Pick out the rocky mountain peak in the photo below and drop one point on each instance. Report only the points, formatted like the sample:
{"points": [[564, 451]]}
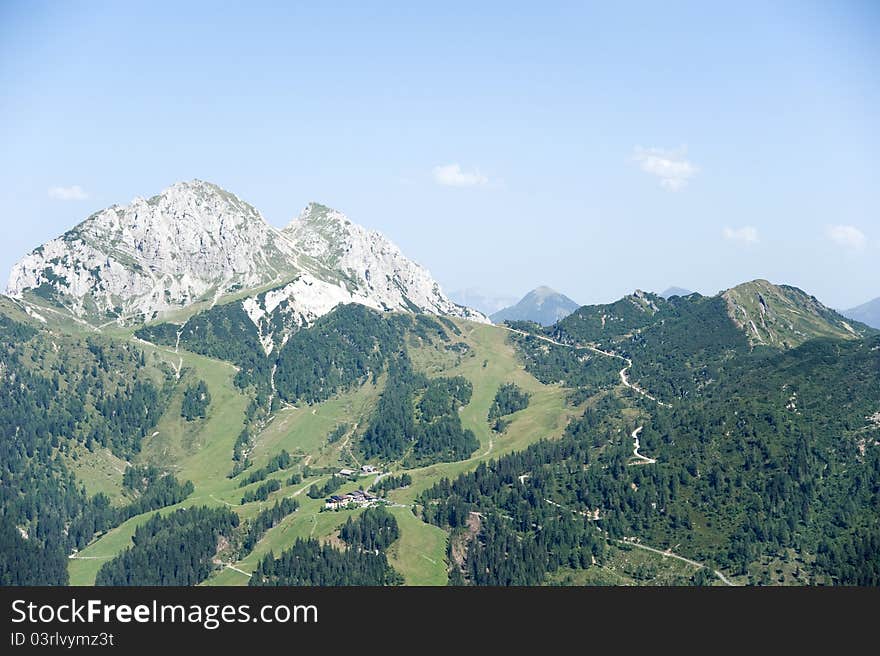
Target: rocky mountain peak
{"points": [[195, 243], [543, 291], [370, 262], [318, 214], [191, 242]]}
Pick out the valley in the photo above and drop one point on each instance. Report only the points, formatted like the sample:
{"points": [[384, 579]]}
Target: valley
{"points": [[204, 457]]}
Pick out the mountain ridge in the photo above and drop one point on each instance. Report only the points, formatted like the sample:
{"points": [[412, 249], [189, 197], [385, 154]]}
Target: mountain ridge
{"points": [[784, 315], [768, 315], [867, 313], [195, 242], [360, 384]]}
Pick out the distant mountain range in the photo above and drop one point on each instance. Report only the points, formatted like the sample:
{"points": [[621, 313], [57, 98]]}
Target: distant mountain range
{"points": [[676, 291], [868, 313], [543, 305], [486, 302]]}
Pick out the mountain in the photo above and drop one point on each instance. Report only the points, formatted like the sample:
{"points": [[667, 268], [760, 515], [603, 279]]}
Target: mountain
{"points": [[676, 291], [346, 264], [771, 449], [486, 303], [192, 242], [272, 363], [784, 316], [373, 269], [197, 243], [542, 305], [598, 323], [868, 313], [686, 344], [766, 314]]}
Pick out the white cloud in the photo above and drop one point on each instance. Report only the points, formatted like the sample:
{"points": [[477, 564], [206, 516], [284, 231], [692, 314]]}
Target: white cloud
{"points": [[74, 192], [746, 234], [671, 166], [451, 175], [847, 236]]}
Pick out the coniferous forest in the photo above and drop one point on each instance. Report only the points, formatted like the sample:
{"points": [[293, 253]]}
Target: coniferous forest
{"points": [[257, 527], [792, 483], [196, 399], [173, 548], [93, 393], [509, 399], [363, 562], [417, 419]]}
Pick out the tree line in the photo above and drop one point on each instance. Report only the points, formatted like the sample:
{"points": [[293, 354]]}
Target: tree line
{"points": [[268, 518], [392, 482], [261, 492], [277, 462]]}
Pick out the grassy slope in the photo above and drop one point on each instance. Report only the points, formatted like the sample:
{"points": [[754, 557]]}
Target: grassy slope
{"points": [[189, 454], [303, 431], [793, 316], [419, 554], [99, 471], [201, 452], [546, 415]]}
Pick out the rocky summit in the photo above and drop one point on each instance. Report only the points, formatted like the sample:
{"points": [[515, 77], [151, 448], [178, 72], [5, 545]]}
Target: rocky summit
{"points": [[196, 243]]}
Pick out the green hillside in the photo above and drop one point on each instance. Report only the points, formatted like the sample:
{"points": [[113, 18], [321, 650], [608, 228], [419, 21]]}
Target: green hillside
{"points": [[602, 323], [783, 316], [202, 451], [752, 462]]}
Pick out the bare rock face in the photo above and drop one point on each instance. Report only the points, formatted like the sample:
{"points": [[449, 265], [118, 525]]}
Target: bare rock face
{"points": [[192, 242], [372, 264], [195, 242]]}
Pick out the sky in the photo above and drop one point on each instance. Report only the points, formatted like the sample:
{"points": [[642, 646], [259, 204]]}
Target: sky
{"points": [[593, 148]]}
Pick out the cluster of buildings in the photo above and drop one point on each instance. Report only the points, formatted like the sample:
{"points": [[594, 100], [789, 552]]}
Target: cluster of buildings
{"points": [[358, 498], [365, 469]]}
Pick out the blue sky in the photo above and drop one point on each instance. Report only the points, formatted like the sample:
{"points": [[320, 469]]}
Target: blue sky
{"points": [[590, 148]]}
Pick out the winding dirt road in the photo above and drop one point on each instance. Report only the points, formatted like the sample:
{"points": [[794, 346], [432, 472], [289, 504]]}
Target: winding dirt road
{"points": [[635, 436], [668, 553], [623, 377], [235, 569], [644, 459]]}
